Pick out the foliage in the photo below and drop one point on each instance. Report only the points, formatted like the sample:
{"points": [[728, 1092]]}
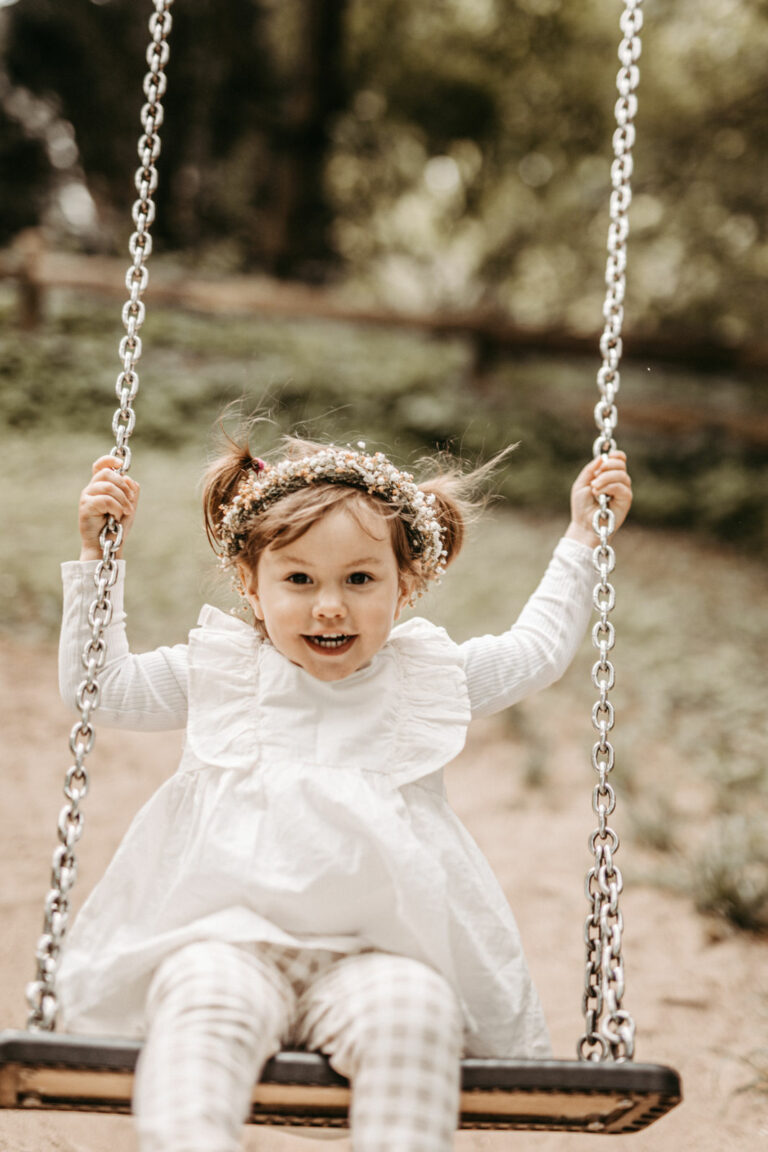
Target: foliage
{"points": [[445, 151], [245, 128], [730, 876], [25, 195], [473, 164], [409, 391]]}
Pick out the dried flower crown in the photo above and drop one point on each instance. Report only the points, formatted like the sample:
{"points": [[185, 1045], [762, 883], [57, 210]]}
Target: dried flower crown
{"points": [[373, 474]]}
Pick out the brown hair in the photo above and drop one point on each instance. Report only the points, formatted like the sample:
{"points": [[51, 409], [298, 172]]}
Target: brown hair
{"points": [[455, 493]]}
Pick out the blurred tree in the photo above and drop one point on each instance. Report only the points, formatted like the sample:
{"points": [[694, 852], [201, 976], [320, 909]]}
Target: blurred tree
{"points": [[447, 152], [26, 177], [308, 41], [244, 140], [24, 161], [473, 164]]}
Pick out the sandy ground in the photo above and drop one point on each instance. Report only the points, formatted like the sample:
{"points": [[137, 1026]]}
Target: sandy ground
{"points": [[700, 997]]}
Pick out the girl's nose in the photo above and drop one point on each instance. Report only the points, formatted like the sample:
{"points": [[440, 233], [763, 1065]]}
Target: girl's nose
{"points": [[329, 606]]}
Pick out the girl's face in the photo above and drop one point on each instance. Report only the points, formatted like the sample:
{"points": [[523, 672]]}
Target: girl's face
{"points": [[328, 600]]}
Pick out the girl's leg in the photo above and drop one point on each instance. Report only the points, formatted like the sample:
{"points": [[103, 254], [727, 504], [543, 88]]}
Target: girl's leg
{"points": [[394, 1027], [216, 1012]]}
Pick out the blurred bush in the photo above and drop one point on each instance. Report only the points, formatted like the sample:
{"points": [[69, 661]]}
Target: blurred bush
{"points": [[410, 393], [730, 875]]}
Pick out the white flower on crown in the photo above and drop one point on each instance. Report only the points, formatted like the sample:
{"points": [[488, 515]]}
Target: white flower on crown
{"points": [[373, 474]]}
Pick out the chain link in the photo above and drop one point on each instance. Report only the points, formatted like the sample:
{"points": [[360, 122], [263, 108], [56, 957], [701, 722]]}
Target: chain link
{"points": [[609, 1030], [41, 992]]}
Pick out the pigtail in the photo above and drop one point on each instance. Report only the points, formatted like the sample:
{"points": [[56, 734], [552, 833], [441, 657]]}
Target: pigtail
{"points": [[459, 496], [222, 480], [452, 512]]}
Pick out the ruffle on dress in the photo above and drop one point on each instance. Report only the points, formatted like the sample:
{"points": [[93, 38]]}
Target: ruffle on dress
{"points": [[402, 717]]}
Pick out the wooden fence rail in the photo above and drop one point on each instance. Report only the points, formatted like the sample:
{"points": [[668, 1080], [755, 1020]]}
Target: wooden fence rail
{"points": [[36, 271]]}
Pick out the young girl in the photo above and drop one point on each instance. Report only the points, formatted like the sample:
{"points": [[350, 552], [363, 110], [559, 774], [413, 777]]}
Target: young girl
{"points": [[301, 880]]}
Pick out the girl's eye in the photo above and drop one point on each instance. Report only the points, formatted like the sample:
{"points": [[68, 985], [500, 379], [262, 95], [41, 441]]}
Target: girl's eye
{"points": [[299, 578], [359, 578]]}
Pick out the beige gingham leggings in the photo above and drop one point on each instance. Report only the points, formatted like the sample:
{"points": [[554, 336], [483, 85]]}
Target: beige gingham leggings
{"points": [[216, 1012]]}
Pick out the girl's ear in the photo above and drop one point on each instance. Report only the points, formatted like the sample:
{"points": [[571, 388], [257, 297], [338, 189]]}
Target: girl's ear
{"points": [[404, 596], [250, 589]]}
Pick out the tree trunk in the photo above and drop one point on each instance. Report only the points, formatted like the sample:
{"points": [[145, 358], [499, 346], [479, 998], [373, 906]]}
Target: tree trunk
{"points": [[296, 217]]}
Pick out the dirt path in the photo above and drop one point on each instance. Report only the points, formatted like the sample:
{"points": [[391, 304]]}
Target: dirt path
{"points": [[701, 1004]]}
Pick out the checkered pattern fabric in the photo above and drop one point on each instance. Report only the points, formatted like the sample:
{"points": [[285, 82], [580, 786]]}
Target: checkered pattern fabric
{"points": [[216, 1012]]}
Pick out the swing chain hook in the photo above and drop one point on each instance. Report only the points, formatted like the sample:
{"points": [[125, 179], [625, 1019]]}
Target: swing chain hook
{"points": [[609, 1029], [41, 992]]}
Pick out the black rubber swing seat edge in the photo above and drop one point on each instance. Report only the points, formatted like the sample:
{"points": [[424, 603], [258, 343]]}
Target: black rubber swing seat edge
{"points": [[84, 1073]]}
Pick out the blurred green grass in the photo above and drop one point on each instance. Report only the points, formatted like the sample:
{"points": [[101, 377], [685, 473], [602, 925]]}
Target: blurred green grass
{"points": [[406, 390]]}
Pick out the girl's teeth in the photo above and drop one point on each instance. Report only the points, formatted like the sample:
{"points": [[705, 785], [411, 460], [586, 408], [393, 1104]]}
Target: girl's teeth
{"points": [[329, 641]]}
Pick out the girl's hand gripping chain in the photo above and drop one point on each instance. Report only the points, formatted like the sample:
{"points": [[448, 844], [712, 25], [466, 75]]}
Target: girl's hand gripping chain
{"points": [[109, 493], [605, 474]]}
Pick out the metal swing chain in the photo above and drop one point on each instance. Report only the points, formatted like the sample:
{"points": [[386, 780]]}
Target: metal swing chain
{"points": [[41, 992], [610, 1030]]}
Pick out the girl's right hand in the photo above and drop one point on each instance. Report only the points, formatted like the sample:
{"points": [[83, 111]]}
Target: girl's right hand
{"points": [[604, 475], [109, 493]]}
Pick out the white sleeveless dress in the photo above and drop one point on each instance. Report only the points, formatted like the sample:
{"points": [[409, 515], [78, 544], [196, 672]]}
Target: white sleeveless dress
{"points": [[309, 814]]}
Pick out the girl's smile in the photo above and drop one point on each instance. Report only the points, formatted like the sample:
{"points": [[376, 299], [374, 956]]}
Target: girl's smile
{"points": [[328, 600], [335, 644]]}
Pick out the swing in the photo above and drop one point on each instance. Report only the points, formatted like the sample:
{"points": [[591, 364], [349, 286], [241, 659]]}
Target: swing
{"points": [[601, 1091]]}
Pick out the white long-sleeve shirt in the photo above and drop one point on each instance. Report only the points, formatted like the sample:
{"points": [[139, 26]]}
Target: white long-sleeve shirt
{"points": [[149, 691]]}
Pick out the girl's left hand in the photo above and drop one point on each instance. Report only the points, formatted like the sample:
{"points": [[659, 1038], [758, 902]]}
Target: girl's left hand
{"points": [[602, 475]]}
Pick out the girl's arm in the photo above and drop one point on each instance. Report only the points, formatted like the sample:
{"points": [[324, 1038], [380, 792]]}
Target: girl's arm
{"points": [[538, 648], [147, 691]]}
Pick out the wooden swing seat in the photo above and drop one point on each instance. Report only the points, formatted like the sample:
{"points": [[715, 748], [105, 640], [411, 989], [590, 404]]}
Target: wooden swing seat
{"points": [[300, 1089]]}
